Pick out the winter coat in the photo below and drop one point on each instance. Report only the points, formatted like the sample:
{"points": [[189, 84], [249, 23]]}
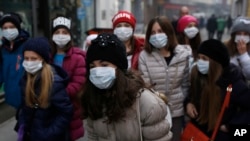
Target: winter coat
{"points": [[75, 66], [172, 79], [243, 61], [238, 111], [138, 45], [52, 123], [11, 69], [211, 24], [154, 127]]}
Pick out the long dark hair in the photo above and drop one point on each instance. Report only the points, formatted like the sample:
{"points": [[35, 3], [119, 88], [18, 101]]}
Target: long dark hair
{"points": [[194, 42], [205, 94], [97, 103]]}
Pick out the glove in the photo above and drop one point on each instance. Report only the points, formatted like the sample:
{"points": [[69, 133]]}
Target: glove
{"points": [[20, 133]]}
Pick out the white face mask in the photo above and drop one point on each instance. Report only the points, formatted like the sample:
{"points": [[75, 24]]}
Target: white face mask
{"points": [[191, 32], [203, 66], [245, 38], [102, 77], [158, 40], [10, 33], [32, 66], [61, 40], [123, 33]]}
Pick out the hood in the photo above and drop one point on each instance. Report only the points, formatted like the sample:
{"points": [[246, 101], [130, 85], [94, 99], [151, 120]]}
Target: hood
{"points": [[182, 52], [21, 38], [76, 50]]}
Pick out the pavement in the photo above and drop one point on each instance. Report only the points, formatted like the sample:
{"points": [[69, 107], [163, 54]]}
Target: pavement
{"points": [[7, 132], [6, 126]]}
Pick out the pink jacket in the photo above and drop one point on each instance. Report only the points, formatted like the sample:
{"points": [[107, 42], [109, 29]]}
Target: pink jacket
{"points": [[74, 64]]}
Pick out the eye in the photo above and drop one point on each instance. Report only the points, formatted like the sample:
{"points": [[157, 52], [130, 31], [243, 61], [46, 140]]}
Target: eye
{"points": [[104, 64], [26, 58]]}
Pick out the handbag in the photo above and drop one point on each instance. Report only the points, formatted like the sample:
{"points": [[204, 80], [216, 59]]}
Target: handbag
{"points": [[192, 133]]}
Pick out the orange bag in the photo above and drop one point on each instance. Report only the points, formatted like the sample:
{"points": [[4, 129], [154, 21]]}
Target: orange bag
{"points": [[192, 133]]}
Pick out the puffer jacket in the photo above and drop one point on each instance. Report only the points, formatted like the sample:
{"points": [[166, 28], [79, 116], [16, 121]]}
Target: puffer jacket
{"points": [[154, 127], [75, 66], [172, 79], [51, 123]]}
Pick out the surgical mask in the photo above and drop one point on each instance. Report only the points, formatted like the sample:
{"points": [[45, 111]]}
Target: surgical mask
{"points": [[32, 66], [203, 66], [191, 32], [102, 77], [245, 38], [123, 33], [158, 40], [61, 40], [10, 33]]}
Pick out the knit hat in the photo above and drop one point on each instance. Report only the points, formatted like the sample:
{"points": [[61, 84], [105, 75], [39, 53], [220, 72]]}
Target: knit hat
{"points": [[109, 48], [184, 21], [124, 16], [40, 45], [215, 50], [241, 24], [61, 22], [13, 18]]}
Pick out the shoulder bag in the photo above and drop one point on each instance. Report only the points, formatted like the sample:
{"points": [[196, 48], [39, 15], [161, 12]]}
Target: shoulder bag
{"points": [[192, 133]]}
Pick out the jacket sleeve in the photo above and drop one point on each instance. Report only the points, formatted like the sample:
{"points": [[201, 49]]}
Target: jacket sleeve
{"points": [[142, 67], [153, 112], [185, 82], [78, 77], [90, 130], [61, 102], [240, 90], [244, 61]]}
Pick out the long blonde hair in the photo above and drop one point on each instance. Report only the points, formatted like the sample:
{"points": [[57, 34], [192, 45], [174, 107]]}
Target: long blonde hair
{"points": [[42, 99]]}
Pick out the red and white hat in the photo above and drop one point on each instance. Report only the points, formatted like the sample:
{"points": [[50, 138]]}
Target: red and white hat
{"points": [[124, 16]]}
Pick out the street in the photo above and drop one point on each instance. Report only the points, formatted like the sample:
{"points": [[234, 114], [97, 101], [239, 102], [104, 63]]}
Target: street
{"points": [[7, 113]]}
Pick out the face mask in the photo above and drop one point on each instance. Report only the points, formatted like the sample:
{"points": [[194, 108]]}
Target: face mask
{"points": [[191, 32], [245, 38], [10, 33], [61, 40], [158, 40], [123, 33], [32, 66], [102, 77], [203, 66]]}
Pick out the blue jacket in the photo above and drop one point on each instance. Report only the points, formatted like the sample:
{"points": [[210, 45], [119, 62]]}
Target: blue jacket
{"points": [[52, 123], [11, 69]]}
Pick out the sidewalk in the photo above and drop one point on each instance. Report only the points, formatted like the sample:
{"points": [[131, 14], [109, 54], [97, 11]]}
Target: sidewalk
{"points": [[7, 132]]}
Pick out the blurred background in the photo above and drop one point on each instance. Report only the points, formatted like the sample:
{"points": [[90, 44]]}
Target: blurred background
{"points": [[89, 14]]}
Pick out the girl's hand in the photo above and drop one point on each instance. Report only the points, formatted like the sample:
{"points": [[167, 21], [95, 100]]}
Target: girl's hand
{"points": [[191, 110]]}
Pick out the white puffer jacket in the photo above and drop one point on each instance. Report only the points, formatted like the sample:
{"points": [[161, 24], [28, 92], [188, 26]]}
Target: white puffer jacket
{"points": [[172, 79], [154, 127]]}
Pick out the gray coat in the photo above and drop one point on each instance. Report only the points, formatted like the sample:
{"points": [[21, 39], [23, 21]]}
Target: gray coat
{"points": [[172, 79], [153, 125]]}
